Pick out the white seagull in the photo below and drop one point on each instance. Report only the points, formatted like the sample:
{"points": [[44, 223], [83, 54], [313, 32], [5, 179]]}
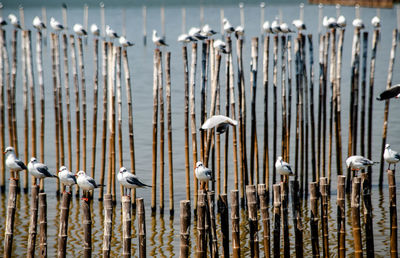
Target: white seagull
{"points": [[329, 23], [185, 38], [95, 30], [2, 22], [358, 23], [86, 183], [220, 122], [283, 168], [14, 21], [341, 21], [239, 31], [392, 92], [129, 180], [195, 32], [376, 22], [228, 28], [207, 31], [124, 42], [359, 162], [158, 41], [285, 28], [299, 24], [39, 170], [220, 46], [275, 27], [55, 25], [38, 24], [111, 33], [203, 174], [391, 156], [78, 29], [12, 162], [267, 27], [66, 177]]}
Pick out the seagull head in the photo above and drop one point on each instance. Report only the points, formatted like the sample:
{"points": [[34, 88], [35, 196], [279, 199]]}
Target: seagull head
{"points": [[199, 164], [12, 17], [9, 149], [62, 168], [225, 21], [80, 173], [123, 170], [387, 146], [33, 160]]}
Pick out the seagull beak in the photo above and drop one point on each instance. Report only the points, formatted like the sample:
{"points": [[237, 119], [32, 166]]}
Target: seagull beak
{"points": [[4, 152]]}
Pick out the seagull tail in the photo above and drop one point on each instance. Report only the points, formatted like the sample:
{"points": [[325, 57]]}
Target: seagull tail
{"points": [[378, 98]]}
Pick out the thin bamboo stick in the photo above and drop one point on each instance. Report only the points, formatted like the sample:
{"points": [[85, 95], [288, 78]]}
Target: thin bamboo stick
{"points": [[355, 217], [297, 222], [77, 103], [275, 108], [324, 215], [63, 229], [363, 92], [312, 120], [299, 78], [266, 124], [321, 75], [162, 129], [224, 211], [83, 92], [169, 126], [54, 46], [155, 122], [263, 196], [126, 226], [39, 65], [186, 122], [367, 208], [67, 99], [112, 116], [324, 108], [332, 78], [95, 101], [289, 106], [235, 217], [42, 225], [185, 228], [60, 109], [87, 229], [104, 118], [227, 109], [25, 101], [341, 216], [314, 219], [14, 54], [108, 219], [2, 113], [213, 225], [141, 227], [9, 91], [11, 207], [119, 104], [277, 220], [204, 63], [285, 222], [393, 214], [253, 82], [253, 219], [201, 249], [33, 221], [283, 98]]}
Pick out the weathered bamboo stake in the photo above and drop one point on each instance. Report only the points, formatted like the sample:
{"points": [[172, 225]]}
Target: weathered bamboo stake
{"points": [[119, 104], [227, 106], [33, 221], [42, 225], [283, 98], [341, 216], [207, 225], [60, 109], [332, 106], [95, 101], [264, 203], [355, 217], [77, 102], [266, 124], [297, 222], [275, 110], [356, 83], [367, 208], [14, 64], [393, 214], [314, 218], [112, 115], [39, 65], [224, 215], [324, 215], [304, 186], [67, 100], [289, 107], [11, 207], [63, 229], [284, 214], [321, 75], [87, 229], [4, 84], [324, 108], [253, 220], [24, 39], [104, 118], [126, 226], [312, 120], [9, 92], [185, 228], [186, 122], [277, 220], [253, 82], [108, 217], [44, 18], [375, 41], [363, 92], [141, 227], [83, 88], [213, 225], [204, 58], [155, 122], [235, 217], [162, 129], [386, 112], [298, 113], [201, 232]]}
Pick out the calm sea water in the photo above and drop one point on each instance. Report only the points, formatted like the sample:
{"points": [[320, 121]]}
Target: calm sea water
{"points": [[163, 231]]}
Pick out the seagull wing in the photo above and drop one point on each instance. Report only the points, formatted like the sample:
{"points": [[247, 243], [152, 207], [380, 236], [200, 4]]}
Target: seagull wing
{"points": [[20, 164], [134, 181], [287, 166], [44, 170], [390, 93], [71, 176], [217, 120], [91, 181]]}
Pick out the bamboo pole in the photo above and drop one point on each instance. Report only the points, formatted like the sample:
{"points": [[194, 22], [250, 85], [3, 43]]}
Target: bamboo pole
{"points": [[324, 108], [363, 93], [87, 229], [11, 207], [33, 221], [332, 106], [95, 101], [213, 225], [14, 54], [263, 196], [169, 128], [355, 217], [289, 106], [60, 109], [283, 99], [186, 122], [204, 74], [83, 88], [367, 208], [266, 124], [321, 75], [141, 227], [275, 110], [119, 118], [386, 112], [201, 232], [314, 219], [341, 216], [297, 160], [393, 214], [162, 129], [67, 99], [297, 222], [9, 91], [4, 84], [77, 103], [324, 215], [277, 219], [284, 214], [155, 121], [39, 65], [126, 226], [42, 225], [224, 215], [185, 228], [253, 82], [104, 117], [235, 218], [253, 220], [108, 219], [25, 101], [112, 116], [54, 47], [63, 229], [306, 123], [312, 119], [227, 107]]}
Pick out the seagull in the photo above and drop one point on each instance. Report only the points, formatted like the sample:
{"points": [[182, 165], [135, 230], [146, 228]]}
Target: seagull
{"points": [[239, 31], [267, 27], [86, 183], [283, 168], [2, 22], [329, 23], [78, 29], [129, 180], [203, 174], [124, 42], [39, 170], [341, 21], [275, 27], [391, 156], [95, 30], [376, 22], [299, 24], [66, 177], [158, 41], [38, 24], [12, 162], [195, 33], [220, 46], [228, 28], [185, 38], [392, 92], [111, 33], [207, 31], [219, 121], [56, 25], [14, 21], [359, 162], [285, 28], [358, 23]]}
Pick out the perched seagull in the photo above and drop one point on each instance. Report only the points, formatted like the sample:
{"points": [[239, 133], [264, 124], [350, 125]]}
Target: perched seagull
{"points": [[341, 21], [275, 27], [239, 31], [12, 162], [14, 21], [124, 42], [285, 28], [2, 22], [220, 46], [299, 24], [267, 27], [56, 25], [358, 23], [207, 31], [283, 168], [392, 92], [111, 33], [203, 174], [38, 24], [39, 170], [185, 38], [195, 32], [95, 30], [228, 28], [66, 177], [78, 29], [220, 122], [158, 41], [376, 22], [129, 180], [391, 156], [86, 183], [329, 23], [359, 162]]}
